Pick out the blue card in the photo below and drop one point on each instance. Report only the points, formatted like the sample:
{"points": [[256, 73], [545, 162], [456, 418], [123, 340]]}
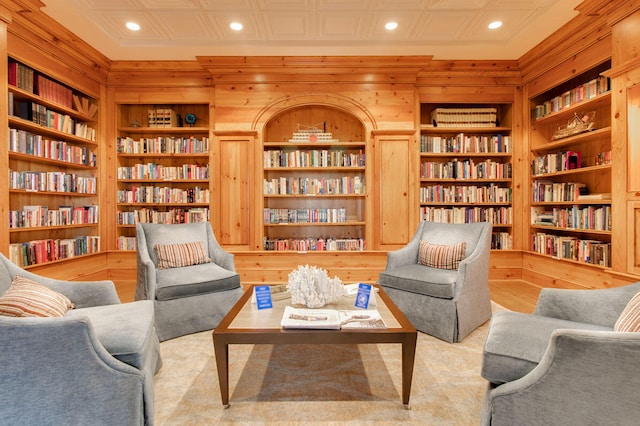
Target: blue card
{"points": [[362, 297], [263, 296]]}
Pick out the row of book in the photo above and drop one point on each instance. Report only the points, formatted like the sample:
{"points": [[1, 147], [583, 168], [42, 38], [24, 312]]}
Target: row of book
{"points": [[495, 215], [38, 216], [314, 186], [271, 215], [21, 76], [163, 195], [145, 215], [29, 143], [593, 218], [569, 98], [313, 158], [548, 191], [126, 243], [315, 244], [556, 162], [501, 241], [466, 169], [52, 182], [163, 117], [43, 116], [48, 250], [160, 171], [571, 248], [464, 143], [163, 145], [464, 117], [465, 194]]}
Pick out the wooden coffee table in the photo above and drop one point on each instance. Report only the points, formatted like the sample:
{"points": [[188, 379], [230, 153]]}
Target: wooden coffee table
{"points": [[245, 324]]}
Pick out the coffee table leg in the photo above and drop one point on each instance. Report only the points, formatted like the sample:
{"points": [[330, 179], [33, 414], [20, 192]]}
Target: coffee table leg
{"points": [[408, 358], [222, 362]]}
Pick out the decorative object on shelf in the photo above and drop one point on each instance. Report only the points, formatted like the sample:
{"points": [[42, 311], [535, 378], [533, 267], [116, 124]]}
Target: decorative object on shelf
{"points": [[312, 133], [578, 124], [312, 287], [190, 119]]}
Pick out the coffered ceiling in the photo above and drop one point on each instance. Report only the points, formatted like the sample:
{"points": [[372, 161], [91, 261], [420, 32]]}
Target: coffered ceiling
{"points": [[184, 29]]}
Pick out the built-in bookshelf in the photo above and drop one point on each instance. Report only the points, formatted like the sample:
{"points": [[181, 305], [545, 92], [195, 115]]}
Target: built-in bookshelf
{"points": [[570, 175], [163, 169], [52, 149], [466, 170], [314, 185]]}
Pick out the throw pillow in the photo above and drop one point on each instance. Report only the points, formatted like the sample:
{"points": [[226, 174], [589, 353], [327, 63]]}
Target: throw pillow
{"points": [[180, 255], [629, 319], [26, 298], [441, 256]]}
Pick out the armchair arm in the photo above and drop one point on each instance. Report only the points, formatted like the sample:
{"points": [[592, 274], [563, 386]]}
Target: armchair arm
{"points": [[83, 294], [146, 269], [406, 255], [584, 377], [56, 369], [220, 256], [601, 307]]}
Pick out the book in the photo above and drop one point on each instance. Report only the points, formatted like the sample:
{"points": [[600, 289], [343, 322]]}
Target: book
{"points": [[361, 319], [331, 319]]}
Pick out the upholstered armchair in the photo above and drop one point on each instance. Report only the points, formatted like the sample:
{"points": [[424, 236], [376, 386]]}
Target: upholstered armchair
{"points": [[93, 364], [191, 280], [565, 364], [444, 292]]}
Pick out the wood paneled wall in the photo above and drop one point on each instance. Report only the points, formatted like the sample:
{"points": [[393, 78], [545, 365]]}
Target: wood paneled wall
{"points": [[384, 93]]}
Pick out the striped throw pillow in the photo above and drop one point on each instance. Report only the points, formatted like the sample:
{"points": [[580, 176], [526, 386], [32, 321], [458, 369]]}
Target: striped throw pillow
{"points": [[180, 255], [629, 319], [441, 256], [25, 298]]}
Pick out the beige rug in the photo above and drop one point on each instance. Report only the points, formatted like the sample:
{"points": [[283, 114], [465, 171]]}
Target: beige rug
{"points": [[322, 384]]}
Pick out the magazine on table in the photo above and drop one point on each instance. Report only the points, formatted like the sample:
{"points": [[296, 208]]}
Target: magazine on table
{"points": [[331, 319]]}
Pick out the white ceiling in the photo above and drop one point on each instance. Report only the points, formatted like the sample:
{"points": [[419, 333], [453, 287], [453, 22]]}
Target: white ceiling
{"points": [[184, 29]]}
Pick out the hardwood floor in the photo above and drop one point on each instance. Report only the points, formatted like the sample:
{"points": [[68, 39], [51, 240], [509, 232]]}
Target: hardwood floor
{"points": [[516, 295]]}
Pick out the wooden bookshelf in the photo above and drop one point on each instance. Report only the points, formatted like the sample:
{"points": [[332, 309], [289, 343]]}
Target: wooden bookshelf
{"points": [[53, 168], [163, 171], [466, 170], [570, 139]]}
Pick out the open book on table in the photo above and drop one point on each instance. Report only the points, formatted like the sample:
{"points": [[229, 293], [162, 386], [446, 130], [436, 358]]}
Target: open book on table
{"points": [[331, 319]]}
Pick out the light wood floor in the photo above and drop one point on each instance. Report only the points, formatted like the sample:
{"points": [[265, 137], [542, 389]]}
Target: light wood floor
{"points": [[515, 295]]}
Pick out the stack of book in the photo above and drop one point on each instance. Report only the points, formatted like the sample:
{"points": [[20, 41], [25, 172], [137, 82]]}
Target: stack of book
{"points": [[464, 117], [163, 117]]}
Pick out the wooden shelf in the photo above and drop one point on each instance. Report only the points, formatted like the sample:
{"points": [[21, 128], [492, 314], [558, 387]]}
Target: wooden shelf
{"points": [[580, 170], [466, 154], [52, 228], [567, 113], [43, 160], [426, 129], [20, 94], [573, 140], [48, 131]]}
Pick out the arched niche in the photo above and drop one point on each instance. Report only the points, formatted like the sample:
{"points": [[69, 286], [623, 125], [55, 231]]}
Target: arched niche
{"points": [[347, 120]]}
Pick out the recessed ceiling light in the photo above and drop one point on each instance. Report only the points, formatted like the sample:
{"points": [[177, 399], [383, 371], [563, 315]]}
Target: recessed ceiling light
{"points": [[495, 25], [391, 25], [236, 26], [133, 26]]}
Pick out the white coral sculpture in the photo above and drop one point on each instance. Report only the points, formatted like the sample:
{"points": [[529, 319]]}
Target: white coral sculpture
{"points": [[312, 287]]}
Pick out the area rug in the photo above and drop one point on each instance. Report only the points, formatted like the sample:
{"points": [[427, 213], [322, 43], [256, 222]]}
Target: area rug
{"points": [[321, 384]]}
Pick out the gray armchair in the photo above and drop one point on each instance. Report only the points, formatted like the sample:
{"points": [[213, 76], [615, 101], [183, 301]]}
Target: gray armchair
{"points": [[95, 365], [191, 298], [563, 364], [447, 304]]}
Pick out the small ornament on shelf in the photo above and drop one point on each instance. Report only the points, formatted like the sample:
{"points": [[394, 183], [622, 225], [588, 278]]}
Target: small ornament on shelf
{"points": [[579, 123]]}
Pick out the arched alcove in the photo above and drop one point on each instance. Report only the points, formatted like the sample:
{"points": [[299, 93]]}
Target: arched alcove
{"points": [[342, 124]]}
